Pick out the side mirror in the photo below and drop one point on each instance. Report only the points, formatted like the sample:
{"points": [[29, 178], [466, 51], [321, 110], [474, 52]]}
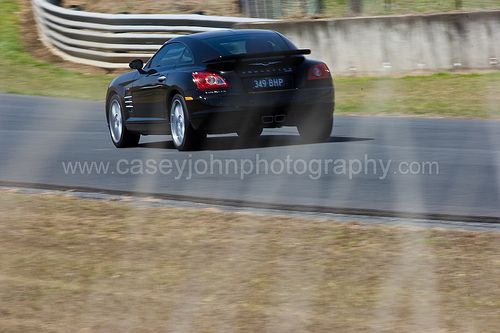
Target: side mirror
{"points": [[137, 64]]}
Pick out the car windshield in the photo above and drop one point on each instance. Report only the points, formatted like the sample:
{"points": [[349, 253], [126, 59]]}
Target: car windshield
{"points": [[248, 43]]}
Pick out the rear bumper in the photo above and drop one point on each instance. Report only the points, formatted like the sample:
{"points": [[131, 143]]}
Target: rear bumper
{"points": [[220, 113]]}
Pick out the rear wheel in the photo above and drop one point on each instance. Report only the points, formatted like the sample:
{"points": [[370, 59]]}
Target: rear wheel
{"points": [[184, 136], [120, 136], [317, 127]]}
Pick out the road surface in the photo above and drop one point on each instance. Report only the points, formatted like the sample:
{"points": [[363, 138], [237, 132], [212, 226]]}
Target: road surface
{"points": [[371, 164]]}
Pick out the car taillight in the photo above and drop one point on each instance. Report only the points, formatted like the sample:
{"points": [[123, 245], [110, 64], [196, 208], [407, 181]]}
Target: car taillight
{"points": [[209, 81], [318, 72]]}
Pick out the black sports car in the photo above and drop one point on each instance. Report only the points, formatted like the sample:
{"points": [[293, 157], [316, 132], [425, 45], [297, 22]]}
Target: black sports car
{"points": [[221, 82]]}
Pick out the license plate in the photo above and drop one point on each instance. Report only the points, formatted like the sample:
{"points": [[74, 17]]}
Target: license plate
{"points": [[270, 83]]}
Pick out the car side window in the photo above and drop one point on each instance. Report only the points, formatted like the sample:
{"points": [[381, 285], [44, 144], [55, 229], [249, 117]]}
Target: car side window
{"points": [[169, 55], [187, 57]]}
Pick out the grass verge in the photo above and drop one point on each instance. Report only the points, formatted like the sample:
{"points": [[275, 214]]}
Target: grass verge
{"points": [[78, 265], [448, 95], [438, 95], [402, 7], [22, 73]]}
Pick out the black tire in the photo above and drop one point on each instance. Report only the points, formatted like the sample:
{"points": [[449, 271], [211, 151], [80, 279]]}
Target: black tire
{"points": [[191, 139], [317, 127], [121, 138]]}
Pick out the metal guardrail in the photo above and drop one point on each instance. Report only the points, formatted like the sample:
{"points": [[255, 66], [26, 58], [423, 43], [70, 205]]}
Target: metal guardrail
{"points": [[113, 40]]}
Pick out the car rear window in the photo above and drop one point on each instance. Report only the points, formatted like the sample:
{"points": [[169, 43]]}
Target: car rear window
{"points": [[248, 43]]}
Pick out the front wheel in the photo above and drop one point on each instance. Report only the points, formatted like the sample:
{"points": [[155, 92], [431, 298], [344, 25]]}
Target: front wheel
{"points": [[316, 127], [120, 136], [185, 137]]}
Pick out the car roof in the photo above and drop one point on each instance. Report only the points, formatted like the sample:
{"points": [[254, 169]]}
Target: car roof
{"points": [[203, 50], [222, 33]]}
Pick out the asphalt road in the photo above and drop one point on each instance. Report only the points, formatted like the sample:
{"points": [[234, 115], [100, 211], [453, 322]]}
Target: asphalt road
{"points": [[39, 136]]}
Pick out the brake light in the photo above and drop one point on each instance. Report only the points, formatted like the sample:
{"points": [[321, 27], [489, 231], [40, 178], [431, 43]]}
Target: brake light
{"points": [[318, 72], [209, 81]]}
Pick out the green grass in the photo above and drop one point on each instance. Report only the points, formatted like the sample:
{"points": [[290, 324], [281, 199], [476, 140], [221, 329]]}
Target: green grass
{"points": [[22, 73], [449, 95], [335, 8]]}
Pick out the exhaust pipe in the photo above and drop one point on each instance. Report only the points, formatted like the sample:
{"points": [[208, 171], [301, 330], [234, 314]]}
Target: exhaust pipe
{"points": [[267, 119], [280, 118]]}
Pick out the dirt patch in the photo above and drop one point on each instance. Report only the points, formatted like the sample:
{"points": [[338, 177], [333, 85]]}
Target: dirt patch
{"points": [[77, 265], [33, 44]]}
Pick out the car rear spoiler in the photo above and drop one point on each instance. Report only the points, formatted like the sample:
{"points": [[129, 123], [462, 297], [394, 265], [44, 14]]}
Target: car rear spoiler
{"points": [[237, 57]]}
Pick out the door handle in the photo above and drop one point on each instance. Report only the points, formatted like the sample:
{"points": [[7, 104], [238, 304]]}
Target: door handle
{"points": [[162, 78]]}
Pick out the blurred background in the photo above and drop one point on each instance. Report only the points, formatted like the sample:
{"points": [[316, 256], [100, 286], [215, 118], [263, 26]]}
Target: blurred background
{"points": [[278, 9]]}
